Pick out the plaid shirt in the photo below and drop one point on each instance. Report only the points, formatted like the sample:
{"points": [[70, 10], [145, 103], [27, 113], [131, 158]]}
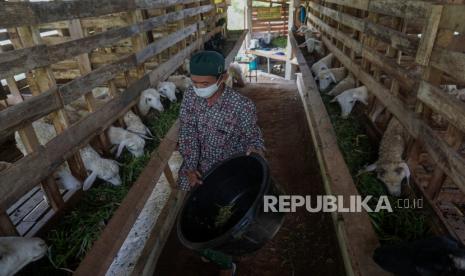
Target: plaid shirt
{"points": [[210, 134]]}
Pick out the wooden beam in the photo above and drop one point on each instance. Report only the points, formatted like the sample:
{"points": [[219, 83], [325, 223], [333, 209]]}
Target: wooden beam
{"points": [[429, 35], [104, 250], [387, 64], [147, 261], [23, 60], [450, 62], [396, 39], [355, 233], [11, 118], [444, 156], [36, 167], [446, 105], [237, 46], [13, 14]]}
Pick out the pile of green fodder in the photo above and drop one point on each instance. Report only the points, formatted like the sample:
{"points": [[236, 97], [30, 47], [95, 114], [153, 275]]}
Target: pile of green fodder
{"points": [[358, 151], [76, 231], [279, 42]]}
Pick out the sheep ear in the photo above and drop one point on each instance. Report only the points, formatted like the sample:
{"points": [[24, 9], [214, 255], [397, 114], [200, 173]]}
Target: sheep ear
{"points": [[145, 137], [162, 95], [334, 100], [149, 132], [120, 148], [89, 181], [406, 169], [368, 168], [332, 77]]}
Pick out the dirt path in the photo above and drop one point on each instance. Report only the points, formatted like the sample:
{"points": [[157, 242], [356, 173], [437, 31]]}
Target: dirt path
{"points": [[306, 244]]}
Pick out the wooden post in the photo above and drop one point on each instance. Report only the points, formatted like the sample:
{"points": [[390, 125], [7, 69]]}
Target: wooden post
{"points": [[40, 80], [7, 227], [248, 26], [290, 68]]}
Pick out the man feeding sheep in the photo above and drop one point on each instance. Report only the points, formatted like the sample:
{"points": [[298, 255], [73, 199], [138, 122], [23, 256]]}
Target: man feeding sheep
{"points": [[216, 123]]}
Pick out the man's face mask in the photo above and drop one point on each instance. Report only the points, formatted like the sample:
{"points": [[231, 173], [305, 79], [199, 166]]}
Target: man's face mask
{"points": [[207, 92]]}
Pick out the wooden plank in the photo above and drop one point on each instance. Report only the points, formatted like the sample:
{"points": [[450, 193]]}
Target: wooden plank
{"points": [[153, 247], [104, 250], [444, 156], [389, 65], [7, 228], [409, 9], [33, 13], [358, 4], [443, 103], [237, 46], [428, 38], [452, 18], [450, 62], [20, 115], [396, 39], [22, 200], [355, 233], [348, 20], [35, 167], [11, 118], [23, 60], [21, 212]]}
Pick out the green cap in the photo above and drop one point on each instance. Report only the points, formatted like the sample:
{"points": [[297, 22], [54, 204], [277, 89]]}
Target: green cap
{"points": [[207, 63]]}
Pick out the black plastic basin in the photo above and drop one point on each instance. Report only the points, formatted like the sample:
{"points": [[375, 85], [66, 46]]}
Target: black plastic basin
{"points": [[225, 213]]}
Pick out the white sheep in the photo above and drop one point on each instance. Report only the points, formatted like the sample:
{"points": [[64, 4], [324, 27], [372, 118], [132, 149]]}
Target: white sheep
{"points": [[327, 76], [313, 45], [322, 64], [345, 84], [307, 29], [167, 89], [46, 132], [135, 125], [235, 74], [182, 82], [125, 139], [390, 167], [348, 98], [150, 98], [105, 169], [17, 252]]}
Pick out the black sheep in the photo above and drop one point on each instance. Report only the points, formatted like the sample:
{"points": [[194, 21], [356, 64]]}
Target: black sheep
{"points": [[429, 257]]}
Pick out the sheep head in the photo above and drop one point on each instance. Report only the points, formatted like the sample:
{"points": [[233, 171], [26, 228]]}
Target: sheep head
{"points": [[348, 98], [105, 169], [134, 143], [167, 89], [325, 77], [150, 98], [17, 252], [392, 175]]}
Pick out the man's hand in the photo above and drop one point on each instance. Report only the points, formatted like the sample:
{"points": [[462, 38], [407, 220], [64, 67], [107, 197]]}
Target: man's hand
{"points": [[194, 178], [258, 151]]}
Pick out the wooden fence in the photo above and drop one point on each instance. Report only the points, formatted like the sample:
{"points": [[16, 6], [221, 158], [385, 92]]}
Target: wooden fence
{"points": [[271, 19], [402, 51], [124, 45]]}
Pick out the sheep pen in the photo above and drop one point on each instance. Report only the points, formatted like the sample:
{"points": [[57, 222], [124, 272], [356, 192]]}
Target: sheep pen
{"points": [[76, 232]]}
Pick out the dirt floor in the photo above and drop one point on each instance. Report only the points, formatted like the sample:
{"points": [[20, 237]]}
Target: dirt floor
{"points": [[306, 244]]}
